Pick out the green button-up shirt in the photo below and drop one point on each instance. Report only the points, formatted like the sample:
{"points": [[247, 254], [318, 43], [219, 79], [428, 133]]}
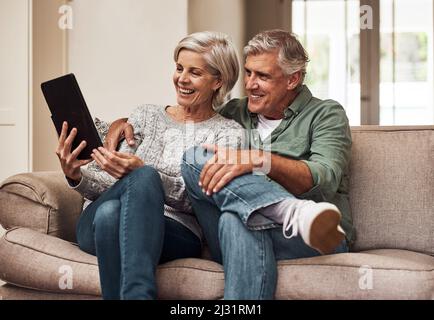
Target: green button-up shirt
{"points": [[314, 131]]}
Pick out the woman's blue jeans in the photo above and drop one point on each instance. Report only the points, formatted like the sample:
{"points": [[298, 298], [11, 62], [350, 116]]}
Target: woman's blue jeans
{"points": [[127, 230], [249, 254]]}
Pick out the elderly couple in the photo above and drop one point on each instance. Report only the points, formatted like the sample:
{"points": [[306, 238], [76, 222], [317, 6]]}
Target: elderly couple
{"points": [[163, 191]]}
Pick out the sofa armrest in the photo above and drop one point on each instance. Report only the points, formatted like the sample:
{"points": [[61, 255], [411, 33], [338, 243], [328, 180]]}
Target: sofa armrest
{"points": [[41, 201]]}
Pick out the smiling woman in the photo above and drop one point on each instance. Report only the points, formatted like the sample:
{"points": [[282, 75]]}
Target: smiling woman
{"points": [[137, 200], [195, 84], [214, 60]]}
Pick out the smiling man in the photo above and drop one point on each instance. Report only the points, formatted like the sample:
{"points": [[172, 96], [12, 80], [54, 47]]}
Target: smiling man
{"points": [[290, 198], [304, 143]]}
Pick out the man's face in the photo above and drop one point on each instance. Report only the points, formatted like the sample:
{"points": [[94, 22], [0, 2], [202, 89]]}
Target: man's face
{"points": [[267, 86]]}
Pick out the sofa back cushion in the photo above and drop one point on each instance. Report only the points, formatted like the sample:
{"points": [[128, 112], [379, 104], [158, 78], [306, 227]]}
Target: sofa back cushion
{"points": [[392, 188]]}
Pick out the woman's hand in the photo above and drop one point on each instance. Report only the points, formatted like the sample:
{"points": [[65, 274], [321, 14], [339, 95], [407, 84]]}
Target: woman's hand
{"points": [[68, 160], [117, 164], [118, 130]]}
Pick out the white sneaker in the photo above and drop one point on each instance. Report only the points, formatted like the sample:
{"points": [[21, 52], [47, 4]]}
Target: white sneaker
{"points": [[317, 223]]}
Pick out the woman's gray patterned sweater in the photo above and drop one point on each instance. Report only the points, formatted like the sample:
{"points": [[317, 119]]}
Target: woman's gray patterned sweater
{"points": [[160, 143]]}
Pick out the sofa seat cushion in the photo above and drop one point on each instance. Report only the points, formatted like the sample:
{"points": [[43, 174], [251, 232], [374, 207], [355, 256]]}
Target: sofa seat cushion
{"points": [[47, 263], [41, 262], [373, 274], [35, 260], [11, 292]]}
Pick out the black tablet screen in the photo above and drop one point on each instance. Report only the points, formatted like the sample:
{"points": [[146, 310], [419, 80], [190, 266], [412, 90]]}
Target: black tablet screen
{"points": [[66, 103]]}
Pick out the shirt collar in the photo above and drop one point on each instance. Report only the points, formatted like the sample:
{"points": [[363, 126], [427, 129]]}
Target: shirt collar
{"points": [[300, 101]]}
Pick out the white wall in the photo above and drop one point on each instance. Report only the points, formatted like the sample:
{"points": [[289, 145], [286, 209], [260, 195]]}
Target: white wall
{"points": [[121, 52], [15, 91]]}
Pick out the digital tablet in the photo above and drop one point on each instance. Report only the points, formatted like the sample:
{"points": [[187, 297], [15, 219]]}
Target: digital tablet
{"points": [[66, 103]]}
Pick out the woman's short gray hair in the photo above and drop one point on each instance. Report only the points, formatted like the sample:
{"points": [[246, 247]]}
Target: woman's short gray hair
{"points": [[220, 56], [292, 56]]}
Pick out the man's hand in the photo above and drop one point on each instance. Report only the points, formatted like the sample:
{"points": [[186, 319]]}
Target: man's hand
{"points": [[225, 165], [68, 160], [116, 164], [119, 130]]}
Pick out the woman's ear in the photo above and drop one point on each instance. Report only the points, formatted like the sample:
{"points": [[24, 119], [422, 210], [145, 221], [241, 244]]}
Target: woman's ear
{"points": [[293, 80], [218, 84]]}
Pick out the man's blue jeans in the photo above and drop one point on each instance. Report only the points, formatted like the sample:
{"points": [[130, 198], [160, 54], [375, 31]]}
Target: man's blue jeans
{"points": [[249, 254], [127, 230]]}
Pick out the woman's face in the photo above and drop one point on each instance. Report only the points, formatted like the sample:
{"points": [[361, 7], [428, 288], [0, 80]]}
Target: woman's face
{"points": [[194, 84]]}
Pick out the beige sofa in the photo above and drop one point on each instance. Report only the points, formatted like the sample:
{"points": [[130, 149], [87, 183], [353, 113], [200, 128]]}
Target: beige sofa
{"points": [[392, 200]]}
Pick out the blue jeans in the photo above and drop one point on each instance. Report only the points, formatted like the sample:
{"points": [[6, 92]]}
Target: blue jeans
{"points": [[248, 246], [127, 230]]}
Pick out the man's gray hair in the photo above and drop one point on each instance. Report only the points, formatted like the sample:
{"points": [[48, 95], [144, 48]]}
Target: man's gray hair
{"points": [[220, 56], [292, 56]]}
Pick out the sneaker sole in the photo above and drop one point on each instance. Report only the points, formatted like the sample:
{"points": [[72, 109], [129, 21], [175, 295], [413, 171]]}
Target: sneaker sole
{"points": [[324, 233]]}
